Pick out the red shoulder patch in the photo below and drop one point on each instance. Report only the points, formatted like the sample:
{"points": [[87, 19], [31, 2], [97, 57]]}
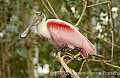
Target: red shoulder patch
{"points": [[59, 25]]}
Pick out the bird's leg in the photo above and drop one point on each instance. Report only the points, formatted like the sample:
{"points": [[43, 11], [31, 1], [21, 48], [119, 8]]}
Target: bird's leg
{"points": [[77, 48], [62, 49]]}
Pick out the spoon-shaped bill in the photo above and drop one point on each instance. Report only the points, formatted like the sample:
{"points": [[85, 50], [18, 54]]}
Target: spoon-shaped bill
{"points": [[25, 33]]}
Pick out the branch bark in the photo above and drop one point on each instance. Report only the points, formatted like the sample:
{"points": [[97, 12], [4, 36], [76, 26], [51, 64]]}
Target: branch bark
{"points": [[67, 69]]}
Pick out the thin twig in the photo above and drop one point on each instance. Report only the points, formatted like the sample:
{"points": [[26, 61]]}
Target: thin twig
{"points": [[81, 67], [112, 26], [48, 8], [69, 54], [66, 56], [103, 69], [75, 56], [52, 9], [110, 65], [98, 4], [93, 60], [100, 56], [89, 69], [104, 62], [82, 13]]}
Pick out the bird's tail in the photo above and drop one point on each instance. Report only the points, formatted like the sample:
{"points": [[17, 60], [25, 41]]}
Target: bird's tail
{"points": [[91, 48]]}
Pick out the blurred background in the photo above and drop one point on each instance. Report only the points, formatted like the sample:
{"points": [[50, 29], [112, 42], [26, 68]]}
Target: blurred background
{"points": [[32, 56]]}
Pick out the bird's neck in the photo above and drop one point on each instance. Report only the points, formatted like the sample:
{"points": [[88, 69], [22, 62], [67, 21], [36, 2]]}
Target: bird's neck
{"points": [[42, 30]]}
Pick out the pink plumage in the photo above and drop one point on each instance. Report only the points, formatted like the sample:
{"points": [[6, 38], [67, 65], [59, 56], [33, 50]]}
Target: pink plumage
{"points": [[60, 33], [63, 33]]}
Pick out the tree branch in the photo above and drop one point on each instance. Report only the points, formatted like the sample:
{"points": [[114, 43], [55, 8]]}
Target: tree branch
{"points": [[85, 5], [111, 20], [47, 8], [67, 69], [110, 65], [74, 57], [81, 67], [52, 9], [93, 5], [89, 70], [104, 62]]}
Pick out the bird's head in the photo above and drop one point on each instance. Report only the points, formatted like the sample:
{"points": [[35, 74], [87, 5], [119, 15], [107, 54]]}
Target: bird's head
{"points": [[39, 17]]}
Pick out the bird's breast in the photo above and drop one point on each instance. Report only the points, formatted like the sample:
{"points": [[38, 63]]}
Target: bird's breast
{"points": [[43, 32]]}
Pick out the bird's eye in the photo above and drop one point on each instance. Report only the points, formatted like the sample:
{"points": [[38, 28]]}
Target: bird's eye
{"points": [[39, 13]]}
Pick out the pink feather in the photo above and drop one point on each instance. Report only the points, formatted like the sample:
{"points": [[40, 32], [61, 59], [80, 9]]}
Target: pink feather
{"points": [[63, 33]]}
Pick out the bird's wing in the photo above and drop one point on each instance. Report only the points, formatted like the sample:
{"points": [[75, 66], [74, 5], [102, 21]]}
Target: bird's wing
{"points": [[65, 33]]}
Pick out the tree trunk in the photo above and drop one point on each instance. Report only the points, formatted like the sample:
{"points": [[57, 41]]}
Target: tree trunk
{"points": [[3, 62], [27, 43], [4, 46]]}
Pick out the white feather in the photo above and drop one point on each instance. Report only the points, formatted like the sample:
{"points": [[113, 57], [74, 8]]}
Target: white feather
{"points": [[42, 29]]}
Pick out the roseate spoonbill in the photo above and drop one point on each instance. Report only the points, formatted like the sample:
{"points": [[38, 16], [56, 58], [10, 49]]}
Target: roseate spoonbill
{"points": [[60, 33]]}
